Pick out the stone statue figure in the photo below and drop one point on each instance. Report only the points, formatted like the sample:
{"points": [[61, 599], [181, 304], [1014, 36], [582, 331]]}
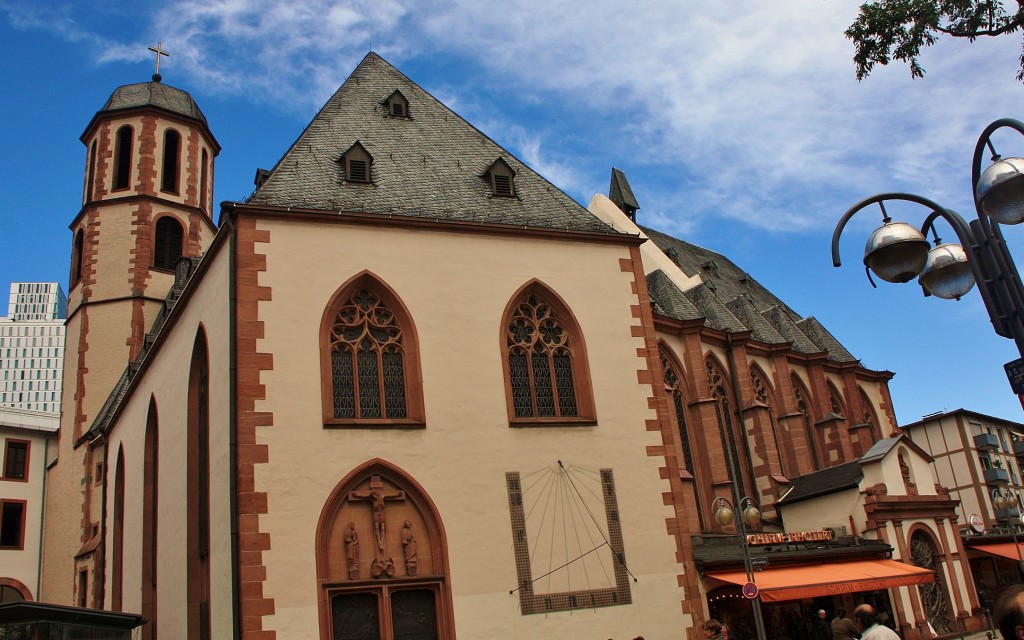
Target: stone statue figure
{"points": [[409, 548], [352, 551]]}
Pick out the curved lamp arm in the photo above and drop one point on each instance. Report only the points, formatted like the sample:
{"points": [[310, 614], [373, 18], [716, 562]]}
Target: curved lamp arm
{"points": [[985, 140], [963, 232]]}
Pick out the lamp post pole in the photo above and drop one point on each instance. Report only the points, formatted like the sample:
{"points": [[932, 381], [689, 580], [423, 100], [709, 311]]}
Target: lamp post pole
{"points": [[748, 514], [1004, 500], [898, 252]]}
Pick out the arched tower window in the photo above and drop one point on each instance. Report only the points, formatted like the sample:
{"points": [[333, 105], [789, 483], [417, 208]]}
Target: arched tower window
{"points": [[382, 560], [370, 359], [545, 359], [123, 158], [674, 389], [117, 553], [172, 153], [804, 408], [77, 257], [198, 490], [90, 175], [150, 509], [204, 177], [167, 243]]}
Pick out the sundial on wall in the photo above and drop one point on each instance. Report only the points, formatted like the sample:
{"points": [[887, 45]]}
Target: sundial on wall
{"points": [[567, 539]]}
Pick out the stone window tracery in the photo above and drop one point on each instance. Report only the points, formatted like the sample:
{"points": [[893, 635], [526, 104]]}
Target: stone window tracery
{"points": [[723, 407], [673, 387], [803, 407], [367, 360]]}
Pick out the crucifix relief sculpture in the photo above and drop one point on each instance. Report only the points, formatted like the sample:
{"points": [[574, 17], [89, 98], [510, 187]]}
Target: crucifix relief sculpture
{"points": [[382, 565]]}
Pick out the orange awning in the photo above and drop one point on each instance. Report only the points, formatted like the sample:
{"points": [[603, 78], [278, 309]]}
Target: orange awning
{"points": [[1004, 549], [809, 581]]}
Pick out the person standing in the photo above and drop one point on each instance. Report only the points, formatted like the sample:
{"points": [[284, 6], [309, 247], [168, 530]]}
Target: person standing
{"points": [[820, 630], [842, 627], [1009, 613], [713, 630], [871, 629]]}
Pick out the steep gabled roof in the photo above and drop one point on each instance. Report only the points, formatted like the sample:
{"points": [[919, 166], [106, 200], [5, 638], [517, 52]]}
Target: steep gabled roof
{"points": [[431, 164]]}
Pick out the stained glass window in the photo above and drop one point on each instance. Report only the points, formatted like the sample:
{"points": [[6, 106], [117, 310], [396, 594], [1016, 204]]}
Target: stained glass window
{"points": [[367, 360], [540, 362]]}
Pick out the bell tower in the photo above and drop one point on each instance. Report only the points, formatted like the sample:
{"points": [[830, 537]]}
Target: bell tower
{"points": [[146, 204]]}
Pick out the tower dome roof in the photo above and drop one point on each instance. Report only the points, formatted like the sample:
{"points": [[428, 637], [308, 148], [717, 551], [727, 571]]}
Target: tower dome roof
{"points": [[154, 94]]}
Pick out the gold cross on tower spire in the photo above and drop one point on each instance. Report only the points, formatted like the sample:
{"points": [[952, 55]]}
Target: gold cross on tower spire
{"points": [[159, 52]]}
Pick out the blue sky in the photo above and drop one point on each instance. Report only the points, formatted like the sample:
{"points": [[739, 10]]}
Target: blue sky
{"points": [[741, 128]]}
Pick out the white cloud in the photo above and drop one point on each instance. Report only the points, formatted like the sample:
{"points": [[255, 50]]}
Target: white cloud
{"points": [[746, 112]]}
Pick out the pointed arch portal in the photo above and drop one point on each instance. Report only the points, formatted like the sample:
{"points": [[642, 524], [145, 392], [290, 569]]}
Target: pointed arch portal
{"points": [[382, 562]]}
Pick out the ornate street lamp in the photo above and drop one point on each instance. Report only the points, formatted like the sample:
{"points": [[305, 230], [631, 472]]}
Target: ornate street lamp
{"points": [[750, 515], [898, 252], [1004, 500]]}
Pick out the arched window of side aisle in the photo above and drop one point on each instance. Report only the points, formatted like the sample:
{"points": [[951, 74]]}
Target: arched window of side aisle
{"points": [[546, 371], [167, 242], [369, 358], [673, 374]]}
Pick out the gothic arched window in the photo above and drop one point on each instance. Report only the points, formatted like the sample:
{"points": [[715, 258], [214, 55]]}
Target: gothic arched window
{"points": [[197, 473], [545, 360], [150, 511], [371, 366], [804, 408], [717, 382], [117, 549], [764, 394], [835, 401], [674, 389]]}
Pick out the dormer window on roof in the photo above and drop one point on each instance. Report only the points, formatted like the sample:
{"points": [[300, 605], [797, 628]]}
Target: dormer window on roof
{"points": [[502, 179], [398, 105], [356, 164]]}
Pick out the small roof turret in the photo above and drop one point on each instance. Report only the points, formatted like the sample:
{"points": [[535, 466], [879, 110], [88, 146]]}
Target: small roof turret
{"points": [[622, 195]]}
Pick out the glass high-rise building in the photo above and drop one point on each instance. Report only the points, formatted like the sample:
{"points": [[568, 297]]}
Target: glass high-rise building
{"points": [[32, 347]]}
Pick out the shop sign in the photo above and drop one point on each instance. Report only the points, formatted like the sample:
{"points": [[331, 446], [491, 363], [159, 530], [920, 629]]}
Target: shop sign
{"points": [[791, 536]]}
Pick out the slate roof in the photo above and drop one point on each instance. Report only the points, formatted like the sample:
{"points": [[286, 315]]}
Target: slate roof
{"points": [[668, 299], [154, 94], [819, 483], [431, 164], [731, 300], [620, 192]]}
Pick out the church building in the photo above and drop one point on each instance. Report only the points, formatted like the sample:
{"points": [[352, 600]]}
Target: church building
{"points": [[410, 389]]}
